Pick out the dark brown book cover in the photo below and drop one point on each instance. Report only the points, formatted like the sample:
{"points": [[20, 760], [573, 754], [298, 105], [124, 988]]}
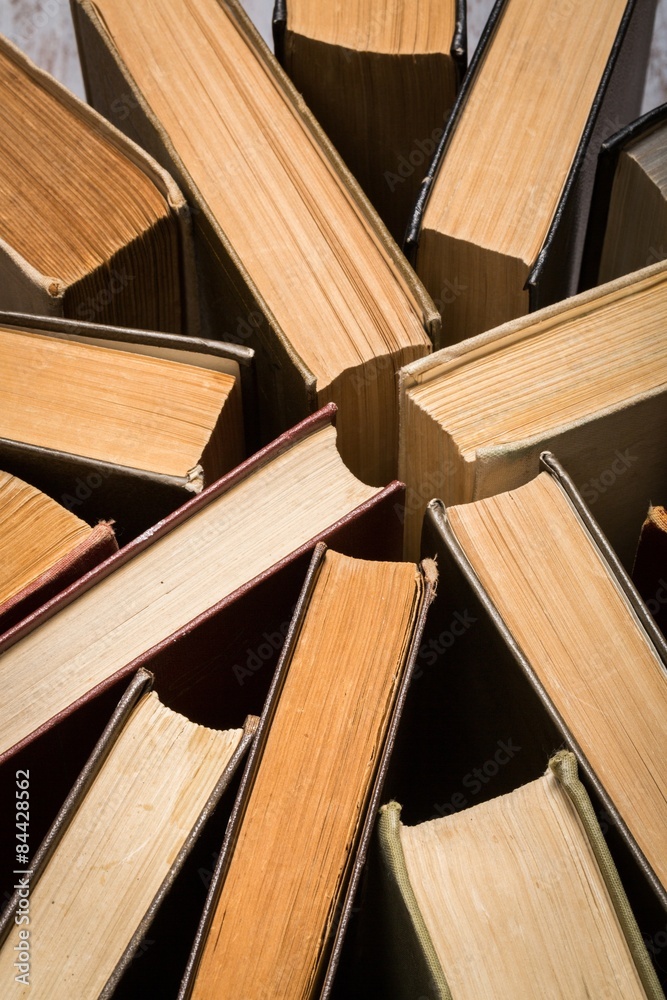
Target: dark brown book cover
{"points": [[343, 906], [649, 573], [598, 217]]}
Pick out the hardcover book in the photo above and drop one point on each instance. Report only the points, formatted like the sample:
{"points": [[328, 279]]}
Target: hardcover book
{"points": [[381, 80], [452, 887], [116, 848], [118, 426], [585, 378], [484, 710], [92, 227], [215, 669], [315, 284], [217, 355], [44, 548], [289, 867], [627, 226], [499, 224], [576, 658], [263, 515]]}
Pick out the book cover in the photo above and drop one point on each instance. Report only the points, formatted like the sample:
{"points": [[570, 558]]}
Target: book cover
{"points": [[341, 908], [649, 571], [24, 289], [553, 272], [167, 885], [651, 225]]}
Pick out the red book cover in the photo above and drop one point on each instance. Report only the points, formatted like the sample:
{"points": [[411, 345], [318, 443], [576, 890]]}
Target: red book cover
{"points": [[100, 544]]}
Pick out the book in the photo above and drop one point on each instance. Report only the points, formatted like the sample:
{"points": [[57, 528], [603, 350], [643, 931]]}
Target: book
{"points": [[218, 355], [454, 886], [627, 225], [315, 285], [535, 563], [136, 499], [499, 224], [649, 571], [381, 82], [268, 510], [279, 887], [478, 721], [86, 900], [216, 668], [150, 418], [45, 548], [92, 227], [584, 378]]}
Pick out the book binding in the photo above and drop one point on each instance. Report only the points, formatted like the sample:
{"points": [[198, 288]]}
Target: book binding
{"points": [[140, 684], [357, 857], [608, 157], [436, 522], [617, 99]]}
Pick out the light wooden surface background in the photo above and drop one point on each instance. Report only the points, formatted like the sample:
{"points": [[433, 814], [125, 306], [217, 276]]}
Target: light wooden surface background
{"points": [[43, 29]]}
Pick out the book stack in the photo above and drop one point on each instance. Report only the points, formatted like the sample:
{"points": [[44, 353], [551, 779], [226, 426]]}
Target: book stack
{"points": [[323, 671]]}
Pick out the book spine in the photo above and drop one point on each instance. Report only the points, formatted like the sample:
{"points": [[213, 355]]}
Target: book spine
{"points": [[415, 966], [564, 766]]}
